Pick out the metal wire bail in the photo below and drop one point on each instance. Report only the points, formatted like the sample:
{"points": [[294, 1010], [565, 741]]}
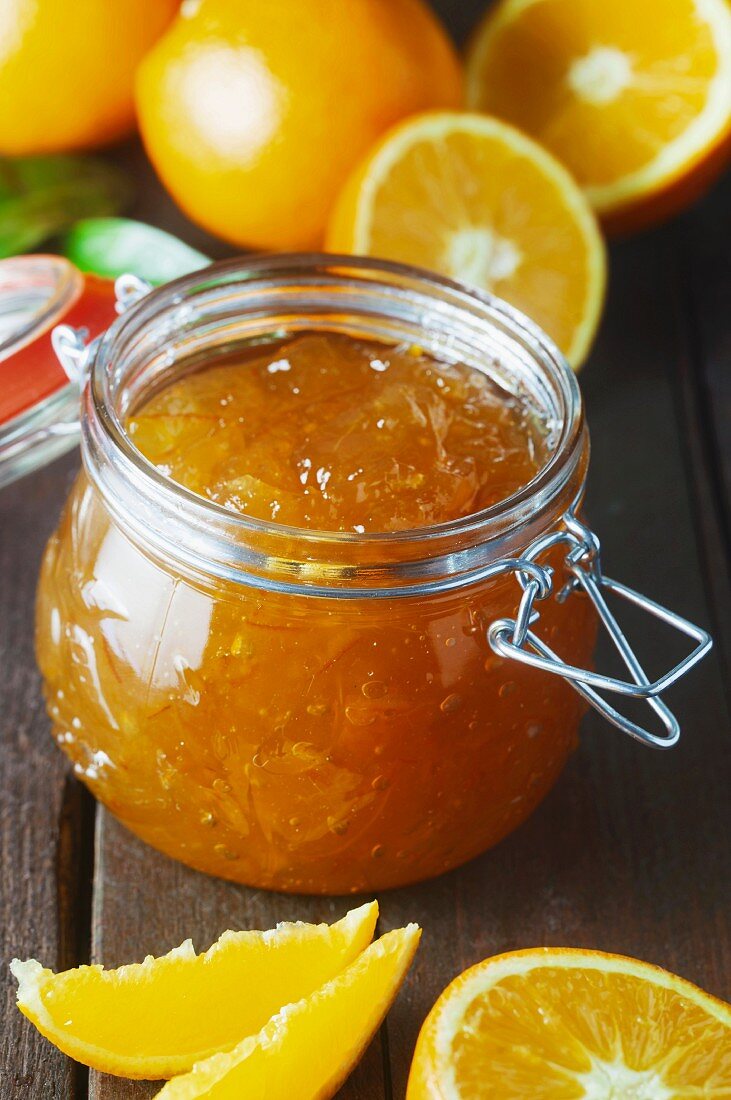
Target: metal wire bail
{"points": [[70, 344], [130, 289], [513, 638]]}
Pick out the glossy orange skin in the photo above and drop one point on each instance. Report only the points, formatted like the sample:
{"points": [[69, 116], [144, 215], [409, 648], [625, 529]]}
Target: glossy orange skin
{"points": [[67, 70], [254, 113], [294, 743], [675, 197]]}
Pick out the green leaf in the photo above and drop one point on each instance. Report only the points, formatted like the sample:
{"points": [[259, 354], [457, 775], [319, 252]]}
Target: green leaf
{"points": [[115, 246], [41, 196]]}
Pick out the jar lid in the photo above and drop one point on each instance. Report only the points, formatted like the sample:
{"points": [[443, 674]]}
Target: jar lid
{"points": [[39, 404]]}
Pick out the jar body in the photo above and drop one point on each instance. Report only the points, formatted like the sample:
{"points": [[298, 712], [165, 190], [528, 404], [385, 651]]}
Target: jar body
{"points": [[293, 742]]}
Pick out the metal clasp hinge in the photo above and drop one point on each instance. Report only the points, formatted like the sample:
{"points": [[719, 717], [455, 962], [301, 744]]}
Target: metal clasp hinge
{"points": [[70, 344], [513, 638]]}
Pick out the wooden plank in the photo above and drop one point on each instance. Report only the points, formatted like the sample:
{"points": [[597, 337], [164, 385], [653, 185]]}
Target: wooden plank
{"points": [[704, 233], [172, 902], [43, 810], [632, 851], [704, 388], [145, 903]]}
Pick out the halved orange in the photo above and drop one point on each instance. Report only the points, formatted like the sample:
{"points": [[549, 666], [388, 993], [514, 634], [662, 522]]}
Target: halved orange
{"points": [[308, 1049], [157, 1018], [562, 1024], [634, 98], [472, 198]]}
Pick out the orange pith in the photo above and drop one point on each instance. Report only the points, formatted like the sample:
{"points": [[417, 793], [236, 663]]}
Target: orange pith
{"points": [[558, 1024], [634, 98]]}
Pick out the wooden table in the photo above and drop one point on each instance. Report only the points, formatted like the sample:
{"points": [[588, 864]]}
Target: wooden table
{"points": [[632, 850]]}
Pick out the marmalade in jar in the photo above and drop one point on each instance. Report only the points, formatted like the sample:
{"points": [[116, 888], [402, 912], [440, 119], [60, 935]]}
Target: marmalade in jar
{"points": [[296, 742]]}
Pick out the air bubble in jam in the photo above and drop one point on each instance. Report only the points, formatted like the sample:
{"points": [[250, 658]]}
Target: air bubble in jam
{"points": [[450, 704], [294, 743], [375, 689]]}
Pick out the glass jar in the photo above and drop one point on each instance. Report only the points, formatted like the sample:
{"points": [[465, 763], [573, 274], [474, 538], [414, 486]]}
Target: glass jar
{"points": [[309, 711]]}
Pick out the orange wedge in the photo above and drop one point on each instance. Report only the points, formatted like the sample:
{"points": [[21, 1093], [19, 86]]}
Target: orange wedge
{"points": [[472, 198], [308, 1049], [635, 98], [157, 1018], [559, 1024]]}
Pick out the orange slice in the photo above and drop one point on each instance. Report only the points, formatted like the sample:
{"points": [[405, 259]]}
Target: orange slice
{"points": [[309, 1048], [559, 1024], [474, 199], [157, 1018], [635, 98]]}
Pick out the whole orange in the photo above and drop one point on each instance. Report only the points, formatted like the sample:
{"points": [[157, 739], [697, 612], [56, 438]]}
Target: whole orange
{"points": [[254, 112], [67, 70]]}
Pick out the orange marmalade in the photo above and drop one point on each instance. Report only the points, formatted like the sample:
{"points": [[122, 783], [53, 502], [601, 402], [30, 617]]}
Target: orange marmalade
{"points": [[335, 434], [299, 743]]}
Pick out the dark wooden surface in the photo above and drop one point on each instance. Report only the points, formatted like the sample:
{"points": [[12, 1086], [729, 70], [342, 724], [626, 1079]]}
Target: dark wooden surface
{"points": [[632, 850]]}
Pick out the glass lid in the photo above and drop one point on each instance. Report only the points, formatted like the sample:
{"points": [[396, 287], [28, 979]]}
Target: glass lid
{"points": [[39, 404]]}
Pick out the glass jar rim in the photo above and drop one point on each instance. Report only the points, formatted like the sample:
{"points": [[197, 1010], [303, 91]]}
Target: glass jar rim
{"points": [[152, 327]]}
